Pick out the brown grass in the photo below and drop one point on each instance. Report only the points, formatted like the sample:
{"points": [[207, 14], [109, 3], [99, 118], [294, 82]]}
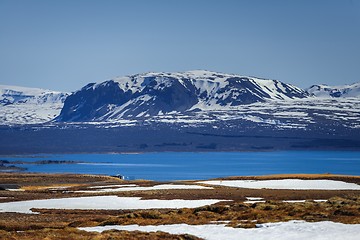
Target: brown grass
{"points": [[54, 186], [72, 233], [342, 206], [34, 179]]}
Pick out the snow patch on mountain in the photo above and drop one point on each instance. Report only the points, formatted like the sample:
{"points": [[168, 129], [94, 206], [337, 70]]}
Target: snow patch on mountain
{"points": [[352, 90], [22, 105]]}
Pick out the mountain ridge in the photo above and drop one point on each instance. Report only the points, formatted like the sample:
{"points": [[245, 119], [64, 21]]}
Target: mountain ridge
{"points": [[161, 96], [192, 111], [323, 90], [151, 94], [24, 105], [17, 94]]}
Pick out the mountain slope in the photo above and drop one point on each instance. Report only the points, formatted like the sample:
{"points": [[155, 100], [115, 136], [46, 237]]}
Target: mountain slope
{"points": [[352, 90], [19, 105], [153, 94]]}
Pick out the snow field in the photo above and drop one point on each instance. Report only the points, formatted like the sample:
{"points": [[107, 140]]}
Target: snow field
{"points": [[102, 203], [133, 187], [294, 230], [294, 184]]}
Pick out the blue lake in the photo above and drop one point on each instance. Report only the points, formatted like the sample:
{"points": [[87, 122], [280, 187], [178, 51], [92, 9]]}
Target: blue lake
{"points": [[182, 166]]}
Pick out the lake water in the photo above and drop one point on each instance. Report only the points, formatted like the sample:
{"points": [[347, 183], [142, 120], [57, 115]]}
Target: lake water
{"points": [[182, 166]]}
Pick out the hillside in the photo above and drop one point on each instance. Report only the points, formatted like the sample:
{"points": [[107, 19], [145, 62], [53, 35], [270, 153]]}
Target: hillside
{"points": [[22, 105], [154, 94]]}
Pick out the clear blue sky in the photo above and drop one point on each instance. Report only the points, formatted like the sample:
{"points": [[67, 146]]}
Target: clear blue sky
{"points": [[65, 44]]}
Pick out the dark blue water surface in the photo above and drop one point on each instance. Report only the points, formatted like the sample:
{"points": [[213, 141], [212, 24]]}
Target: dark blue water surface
{"points": [[182, 166]]}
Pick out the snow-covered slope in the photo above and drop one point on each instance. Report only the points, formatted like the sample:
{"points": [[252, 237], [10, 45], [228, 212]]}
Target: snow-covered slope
{"points": [[152, 94], [352, 90], [190, 98], [19, 105], [16, 94]]}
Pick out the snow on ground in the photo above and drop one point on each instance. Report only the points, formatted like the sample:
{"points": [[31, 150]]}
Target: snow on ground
{"points": [[254, 200], [294, 201], [261, 200], [302, 201], [136, 188], [296, 184], [15, 190], [294, 230], [103, 203], [113, 186]]}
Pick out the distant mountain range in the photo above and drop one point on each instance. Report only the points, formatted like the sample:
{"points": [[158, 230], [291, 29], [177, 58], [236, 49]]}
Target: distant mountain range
{"points": [[190, 111], [155, 95], [22, 105], [16, 95], [323, 90]]}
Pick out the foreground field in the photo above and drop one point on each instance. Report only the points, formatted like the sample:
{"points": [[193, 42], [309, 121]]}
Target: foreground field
{"points": [[38, 206]]}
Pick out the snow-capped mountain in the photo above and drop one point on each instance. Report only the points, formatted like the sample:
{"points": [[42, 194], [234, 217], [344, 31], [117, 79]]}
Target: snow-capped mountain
{"points": [[189, 98], [19, 105], [190, 111], [16, 94], [152, 94], [323, 90]]}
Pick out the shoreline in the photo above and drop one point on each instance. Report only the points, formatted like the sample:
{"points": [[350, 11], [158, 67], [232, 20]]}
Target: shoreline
{"points": [[44, 154]]}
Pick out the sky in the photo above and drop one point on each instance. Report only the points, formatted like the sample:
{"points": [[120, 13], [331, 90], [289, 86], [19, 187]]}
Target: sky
{"points": [[63, 45]]}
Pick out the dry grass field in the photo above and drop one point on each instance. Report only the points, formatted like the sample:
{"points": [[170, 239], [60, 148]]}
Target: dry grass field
{"points": [[340, 206]]}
